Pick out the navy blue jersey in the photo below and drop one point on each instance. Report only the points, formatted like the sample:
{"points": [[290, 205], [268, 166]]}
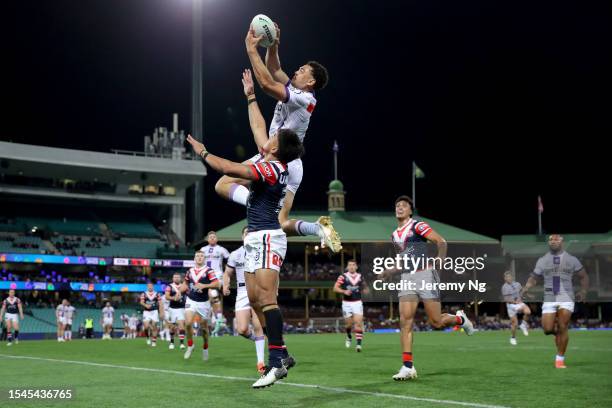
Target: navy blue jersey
{"points": [[151, 299], [172, 289], [266, 195], [352, 282], [411, 239], [203, 275], [12, 305]]}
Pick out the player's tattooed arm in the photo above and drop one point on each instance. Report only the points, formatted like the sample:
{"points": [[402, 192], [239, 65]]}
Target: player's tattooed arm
{"points": [[256, 119], [265, 79], [221, 165], [273, 60]]}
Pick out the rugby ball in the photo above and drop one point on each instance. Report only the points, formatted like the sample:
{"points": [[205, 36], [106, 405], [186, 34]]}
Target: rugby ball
{"points": [[263, 26]]}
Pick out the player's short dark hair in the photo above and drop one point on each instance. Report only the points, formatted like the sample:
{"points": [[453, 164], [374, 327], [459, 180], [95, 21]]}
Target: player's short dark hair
{"points": [[210, 232], [319, 73], [351, 260], [289, 146], [406, 199]]}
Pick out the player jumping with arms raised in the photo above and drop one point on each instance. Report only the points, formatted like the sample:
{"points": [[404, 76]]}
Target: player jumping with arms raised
{"points": [[244, 312], [265, 243], [557, 268], [511, 291], [411, 237], [295, 105], [198, 280], [351, 285], [12, 307]]}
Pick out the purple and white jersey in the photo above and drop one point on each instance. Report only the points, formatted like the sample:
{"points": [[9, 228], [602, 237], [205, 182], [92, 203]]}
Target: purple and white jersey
{"points": [[294, 112], [214, 256]]}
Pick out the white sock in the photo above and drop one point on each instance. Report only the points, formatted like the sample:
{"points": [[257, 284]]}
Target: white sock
{"points": [[560, 358], [239, 194], [307, 228], [260, 345]]}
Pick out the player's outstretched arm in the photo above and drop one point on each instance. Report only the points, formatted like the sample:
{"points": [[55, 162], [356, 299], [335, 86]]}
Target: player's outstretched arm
{"points": [[273, 60], [256, 119], [221, 165], [270, 86]]}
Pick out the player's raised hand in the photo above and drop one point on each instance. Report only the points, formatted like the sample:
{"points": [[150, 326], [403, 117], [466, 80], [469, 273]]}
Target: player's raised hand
{"points": [[251, 41], [197, 147], [247, 82], [277, 41]]}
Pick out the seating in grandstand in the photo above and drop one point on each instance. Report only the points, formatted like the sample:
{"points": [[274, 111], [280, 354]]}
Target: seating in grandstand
{"points": [[137, 228], [21, 244]]}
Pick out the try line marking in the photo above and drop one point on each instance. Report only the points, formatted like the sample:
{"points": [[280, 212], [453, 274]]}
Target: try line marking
{"points": [[314, 386]]}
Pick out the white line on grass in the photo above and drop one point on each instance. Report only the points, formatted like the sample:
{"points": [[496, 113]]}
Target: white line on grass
{"points": [[224, 377]]}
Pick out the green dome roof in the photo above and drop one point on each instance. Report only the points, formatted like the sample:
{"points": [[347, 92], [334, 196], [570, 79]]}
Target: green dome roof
{"points": [[336, 185]]}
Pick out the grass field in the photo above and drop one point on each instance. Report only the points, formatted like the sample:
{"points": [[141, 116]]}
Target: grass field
{"points": [[454, 370]]}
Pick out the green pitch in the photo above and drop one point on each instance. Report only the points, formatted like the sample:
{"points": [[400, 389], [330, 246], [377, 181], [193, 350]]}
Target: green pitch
{"points": [[453, 368]]}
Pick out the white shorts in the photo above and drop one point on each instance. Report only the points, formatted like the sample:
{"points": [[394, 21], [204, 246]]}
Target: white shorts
{"points": [[68, 321], [176, 315], [514, 308], [242, 300], [132, 327], [150, 315], [213, 293], [12, 317], [553, 307], [201, 308], [296, 172], [352, 308], [107, 321], [265, 249], [167, 315]]}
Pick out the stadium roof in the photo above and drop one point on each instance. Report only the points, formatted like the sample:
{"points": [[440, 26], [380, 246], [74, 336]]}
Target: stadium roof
{"points": [[357, 227], [527, 246]]}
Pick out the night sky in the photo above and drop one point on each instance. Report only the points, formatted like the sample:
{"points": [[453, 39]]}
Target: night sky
{"points": [[497, 101]]}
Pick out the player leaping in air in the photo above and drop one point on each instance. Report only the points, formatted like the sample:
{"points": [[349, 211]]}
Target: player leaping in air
{"points": [[265, 243], [296, 102]]}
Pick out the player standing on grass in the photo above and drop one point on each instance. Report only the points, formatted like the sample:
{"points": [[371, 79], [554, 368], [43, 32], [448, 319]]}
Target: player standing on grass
{"points": [[108, 317], [557, 268], [511, 291], [266, 242], [351, 285], [60, 313], [152, 306], [165, 319], [198, 280], [242, 309], [69, 313], [411, 238], [11, 306], [214, 255], [295, 105], [176, 310]]}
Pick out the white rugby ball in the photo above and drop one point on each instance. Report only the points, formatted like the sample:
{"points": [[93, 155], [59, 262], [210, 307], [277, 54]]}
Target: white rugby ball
{"points": [[264, 26]]}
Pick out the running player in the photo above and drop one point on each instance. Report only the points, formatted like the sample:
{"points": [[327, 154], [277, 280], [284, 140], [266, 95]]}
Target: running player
{"points": [[198, 280], [60, 313], [165, 319], [214, 255], [108, 317], [295, 105], [176, 310], [133, 326], [244, 314], [511, 291], [351, 285], [266, 242], [69, 313], [152, 308], [557, 268], [11, 306], [410, 238], [125, 319]]}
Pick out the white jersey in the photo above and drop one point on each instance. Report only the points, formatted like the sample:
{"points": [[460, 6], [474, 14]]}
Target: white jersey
{"points": [[214, 256], [293, 113], [108, 312], [558, 271], [133, 322], [237, 260], [69, 312], [60, 311]]}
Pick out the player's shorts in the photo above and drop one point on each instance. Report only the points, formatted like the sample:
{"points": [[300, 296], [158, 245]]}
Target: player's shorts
{"points": [[553, 307], [67, 321], [265, 249], [176, 315], [296, 172], [132, 327], [201, 308], [242, 300], [428, 276], [514, 308], [107, 321], [150, 315], [167, 314], [61, 320], [352, 308], [11, 317]]}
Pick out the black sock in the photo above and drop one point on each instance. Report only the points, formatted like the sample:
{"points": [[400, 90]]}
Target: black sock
{"points": [[265, 331], [276, 345], [16, 334], [348, 333]]}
